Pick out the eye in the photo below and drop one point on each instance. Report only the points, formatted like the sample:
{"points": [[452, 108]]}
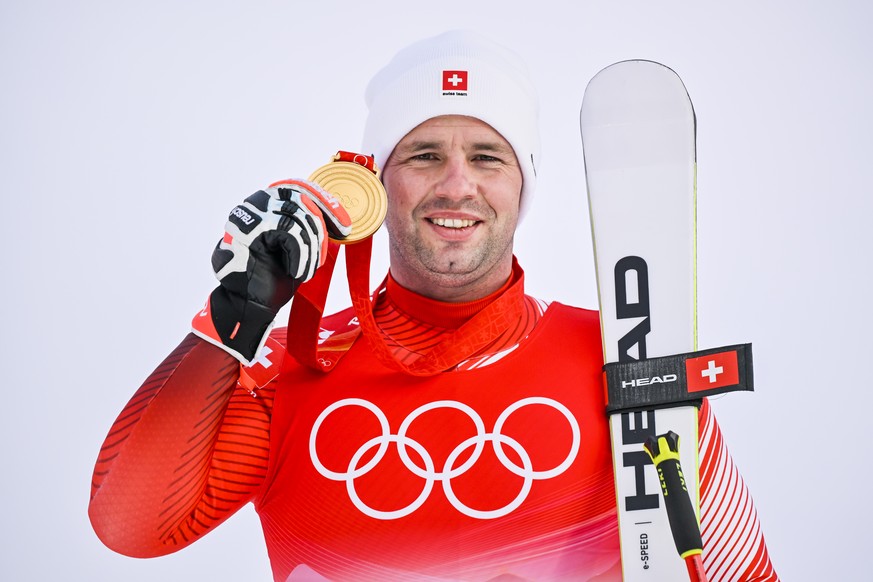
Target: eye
{"points": [[487, 159]]}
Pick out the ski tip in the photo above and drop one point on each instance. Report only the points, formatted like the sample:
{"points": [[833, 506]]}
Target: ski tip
{"points": [[638, 69], [634, 90]]}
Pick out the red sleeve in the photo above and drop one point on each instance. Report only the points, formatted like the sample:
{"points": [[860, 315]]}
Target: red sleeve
{"points": [[733, 544], [187, 451]]}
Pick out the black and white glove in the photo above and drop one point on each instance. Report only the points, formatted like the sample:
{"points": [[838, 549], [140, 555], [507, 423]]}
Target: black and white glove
{"points": [[272, 243]]}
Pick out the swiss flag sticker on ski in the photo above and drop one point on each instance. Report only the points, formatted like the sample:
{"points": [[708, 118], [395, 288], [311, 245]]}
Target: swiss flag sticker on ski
{"points": [[669, 380], [712, 371]]}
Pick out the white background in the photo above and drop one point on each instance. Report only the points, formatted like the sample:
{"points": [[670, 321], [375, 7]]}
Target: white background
{"points": [[128, 130]]}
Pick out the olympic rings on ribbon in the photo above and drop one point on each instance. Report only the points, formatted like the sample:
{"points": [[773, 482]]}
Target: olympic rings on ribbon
{"points": [[429, 473]]}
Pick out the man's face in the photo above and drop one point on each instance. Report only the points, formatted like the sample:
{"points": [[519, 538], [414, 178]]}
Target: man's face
{"points": [[454, 186]]}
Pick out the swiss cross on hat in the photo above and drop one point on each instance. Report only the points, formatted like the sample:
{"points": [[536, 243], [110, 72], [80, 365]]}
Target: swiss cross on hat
{"points": [[455, 80]]}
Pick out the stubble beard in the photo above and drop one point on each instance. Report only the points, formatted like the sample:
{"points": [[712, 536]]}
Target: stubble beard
{"points": [[452, 264]]}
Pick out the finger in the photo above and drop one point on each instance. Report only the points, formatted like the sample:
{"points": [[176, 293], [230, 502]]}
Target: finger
{"points": [[317, 224], [310, 230], [337, 219], [293, 204], [293, 246], [313, 231]]}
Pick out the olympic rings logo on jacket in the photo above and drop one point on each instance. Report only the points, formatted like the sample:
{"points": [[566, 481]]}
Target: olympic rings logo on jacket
{"points": [[429, 472]]}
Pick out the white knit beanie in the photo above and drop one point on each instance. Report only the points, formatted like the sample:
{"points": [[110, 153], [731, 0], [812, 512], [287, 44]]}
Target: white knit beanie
{"points": [[455, 73]]}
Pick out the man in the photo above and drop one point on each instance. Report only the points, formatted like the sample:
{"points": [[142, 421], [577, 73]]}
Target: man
{"points": [[451, 429]]}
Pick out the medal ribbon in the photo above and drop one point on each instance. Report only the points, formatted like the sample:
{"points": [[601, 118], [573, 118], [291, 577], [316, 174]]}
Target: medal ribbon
{"points": [[474, 335], [304, 322]]}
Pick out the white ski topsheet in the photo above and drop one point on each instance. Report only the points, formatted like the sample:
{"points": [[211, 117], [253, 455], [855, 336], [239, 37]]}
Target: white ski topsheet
{"points": [[638, 134]]}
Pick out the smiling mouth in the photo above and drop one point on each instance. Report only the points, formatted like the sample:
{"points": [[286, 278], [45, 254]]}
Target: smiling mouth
{"points": [[453, 222]]}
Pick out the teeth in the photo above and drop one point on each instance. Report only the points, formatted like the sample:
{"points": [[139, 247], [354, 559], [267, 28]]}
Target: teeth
{"points": [[453, 222]]}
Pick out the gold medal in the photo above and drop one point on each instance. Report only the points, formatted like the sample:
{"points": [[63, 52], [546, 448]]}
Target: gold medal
{"points": [[359, 191]]}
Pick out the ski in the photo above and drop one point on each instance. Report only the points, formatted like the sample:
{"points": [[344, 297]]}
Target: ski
{"points": [[638, 135]]}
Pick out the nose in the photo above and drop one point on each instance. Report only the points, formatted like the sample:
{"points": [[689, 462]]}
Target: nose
{"points": [[456, 180]]}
